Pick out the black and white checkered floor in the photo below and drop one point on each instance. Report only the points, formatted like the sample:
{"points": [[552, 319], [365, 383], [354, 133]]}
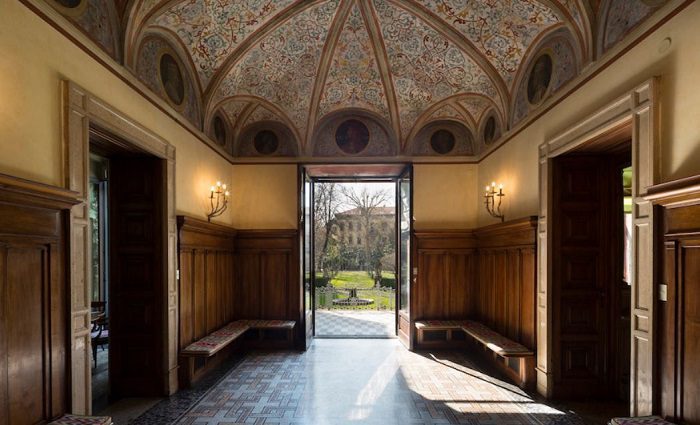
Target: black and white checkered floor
{"points": [[355, 323]]}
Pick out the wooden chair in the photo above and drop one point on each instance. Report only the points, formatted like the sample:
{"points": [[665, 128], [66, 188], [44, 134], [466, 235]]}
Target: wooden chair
{"points": [[99, 334]]}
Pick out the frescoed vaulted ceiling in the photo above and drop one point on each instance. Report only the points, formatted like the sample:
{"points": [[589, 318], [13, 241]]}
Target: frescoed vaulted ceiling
{"points": [[299, 69]]}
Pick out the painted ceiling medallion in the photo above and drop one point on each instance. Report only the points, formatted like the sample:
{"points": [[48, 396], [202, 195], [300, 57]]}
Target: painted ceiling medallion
{"points": [[220, 132], [171, 78], [266, 142], [352, 137], [297, 65], [442, 142], [490, 130], [540, 78]]}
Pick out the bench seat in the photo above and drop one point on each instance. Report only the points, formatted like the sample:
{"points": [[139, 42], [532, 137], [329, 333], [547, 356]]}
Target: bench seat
{"points": [[496, 342], [270, 324], [440, 324], [516, 360], [215, 341], [82, 420], [642, 420]]}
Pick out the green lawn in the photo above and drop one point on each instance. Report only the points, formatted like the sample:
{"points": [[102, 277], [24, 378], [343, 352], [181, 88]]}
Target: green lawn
{"points": [[382, 300], [354, 279]]}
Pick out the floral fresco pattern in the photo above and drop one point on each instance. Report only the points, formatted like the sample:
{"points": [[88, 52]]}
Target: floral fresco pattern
{"points": [[426, 67], [233, 109], [353, 78], [447, 112], [261, 113], [212, 29], [475, 105], [282, 67], [500, 30]]}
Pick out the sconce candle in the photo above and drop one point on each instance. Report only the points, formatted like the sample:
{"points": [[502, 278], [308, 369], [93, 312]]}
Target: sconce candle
{"points": [[493, 200], [218, 198]]}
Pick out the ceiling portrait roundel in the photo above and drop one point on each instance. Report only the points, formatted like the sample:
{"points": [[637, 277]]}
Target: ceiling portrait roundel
{"points": [[71, 4], [72, 8], [352, 137], [219, 126], [539, 79], [490, 130], [171, 78], [266, 142], [442, 142]]}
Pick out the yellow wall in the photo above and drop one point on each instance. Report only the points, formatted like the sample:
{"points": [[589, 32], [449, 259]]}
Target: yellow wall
{"points": [[516, 163], [264, 196], [34, 59], [444, 196]]}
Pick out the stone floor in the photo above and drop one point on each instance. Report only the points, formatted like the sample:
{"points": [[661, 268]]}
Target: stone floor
{"points": [[365, 381], [355, 323]]}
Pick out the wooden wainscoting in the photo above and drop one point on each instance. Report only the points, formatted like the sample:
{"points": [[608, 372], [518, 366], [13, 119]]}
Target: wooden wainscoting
{"points": [[487, 274], [266, 284], [679, 310], [207, 297], [446, 284], [505, 299], [34, 300]]}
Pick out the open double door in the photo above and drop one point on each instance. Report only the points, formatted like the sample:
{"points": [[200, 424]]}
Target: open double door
{"points": [[402, 175]]}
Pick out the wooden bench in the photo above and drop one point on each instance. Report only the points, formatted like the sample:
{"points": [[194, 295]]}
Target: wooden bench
{"points": [[641, 420], [516, 360], [82, 420], [194, 355]]}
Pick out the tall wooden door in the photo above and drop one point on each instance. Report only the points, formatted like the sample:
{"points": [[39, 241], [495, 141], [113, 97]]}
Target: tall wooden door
{"points": [[137, 276], [406, 272], [307, 256], [585, 218]]}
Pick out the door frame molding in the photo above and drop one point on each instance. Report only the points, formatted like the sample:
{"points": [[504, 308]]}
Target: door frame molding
{"points": [[638, 109], [80, 110]]}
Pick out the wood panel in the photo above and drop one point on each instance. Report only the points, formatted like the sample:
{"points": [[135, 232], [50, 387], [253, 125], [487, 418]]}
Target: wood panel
{"points": [[34, 334], [506, 276], [446, 280], [266, 283], [206, 264], [678, 375]]}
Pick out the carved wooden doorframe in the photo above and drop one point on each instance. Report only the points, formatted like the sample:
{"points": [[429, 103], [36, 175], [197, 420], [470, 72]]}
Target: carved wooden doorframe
{"points": [[81, 110], [637, 109]]}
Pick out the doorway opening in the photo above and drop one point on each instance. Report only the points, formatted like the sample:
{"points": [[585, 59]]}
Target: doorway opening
{"points": [[592, 270], [355, 259], [356, 251], [128, 270]]}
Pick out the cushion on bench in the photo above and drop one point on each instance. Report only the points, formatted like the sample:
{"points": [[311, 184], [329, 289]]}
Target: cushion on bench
{"points": [[495, 341], [270, 324], [82, 420], [216, 341], [439, 324], [642, 420]]}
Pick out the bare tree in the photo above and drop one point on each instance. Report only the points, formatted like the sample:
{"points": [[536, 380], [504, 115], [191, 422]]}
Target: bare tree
{"points": [[367, 203], [327, 200]]}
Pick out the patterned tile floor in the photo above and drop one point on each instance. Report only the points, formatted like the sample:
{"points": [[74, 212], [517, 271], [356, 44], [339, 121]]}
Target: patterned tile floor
{"points": [[355, 323], [348, 381]]}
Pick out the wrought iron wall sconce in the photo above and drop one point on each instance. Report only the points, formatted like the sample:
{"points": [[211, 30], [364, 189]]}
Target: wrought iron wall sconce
{"points": [[218, 198], [493, 200]]}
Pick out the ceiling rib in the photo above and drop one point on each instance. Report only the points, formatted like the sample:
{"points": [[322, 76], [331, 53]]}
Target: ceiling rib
{"points": [[377, 41], [324, 66]]}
